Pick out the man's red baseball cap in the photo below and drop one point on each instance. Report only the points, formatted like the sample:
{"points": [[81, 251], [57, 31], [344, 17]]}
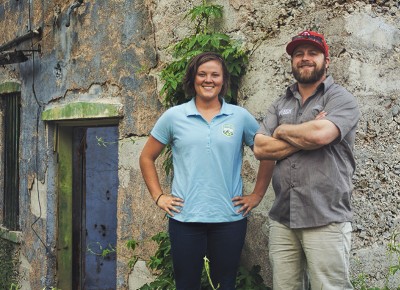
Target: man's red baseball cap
{"points": [[308, 37]]}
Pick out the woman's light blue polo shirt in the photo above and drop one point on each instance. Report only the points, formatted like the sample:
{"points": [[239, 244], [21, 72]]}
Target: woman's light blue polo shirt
{"points": [[207, 159]]}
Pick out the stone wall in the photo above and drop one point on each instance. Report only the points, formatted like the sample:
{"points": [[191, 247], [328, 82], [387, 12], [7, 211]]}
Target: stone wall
{"points": [[364, 39]]}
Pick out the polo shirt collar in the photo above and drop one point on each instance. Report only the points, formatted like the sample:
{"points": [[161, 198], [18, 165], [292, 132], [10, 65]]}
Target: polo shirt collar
{"points": [[191, 110]]}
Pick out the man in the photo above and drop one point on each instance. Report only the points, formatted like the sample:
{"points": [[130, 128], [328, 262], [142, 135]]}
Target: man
{"points": [[310, 132]]}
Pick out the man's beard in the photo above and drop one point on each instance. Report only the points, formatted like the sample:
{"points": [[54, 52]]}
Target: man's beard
{"points": [[309, 78]]}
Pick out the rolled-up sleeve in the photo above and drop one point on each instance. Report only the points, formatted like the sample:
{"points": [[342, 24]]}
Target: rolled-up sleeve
{"points": [[270, 121], [342, 110]]}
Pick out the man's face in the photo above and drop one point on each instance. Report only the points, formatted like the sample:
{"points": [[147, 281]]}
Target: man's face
{"points": [[309, 64]]}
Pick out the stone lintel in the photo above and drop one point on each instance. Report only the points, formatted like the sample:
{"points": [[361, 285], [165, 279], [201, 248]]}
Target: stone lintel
{"points": [[13, 236], [82, 110], [10, 87]]}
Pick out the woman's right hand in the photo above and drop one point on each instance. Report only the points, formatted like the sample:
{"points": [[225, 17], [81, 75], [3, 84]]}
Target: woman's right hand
{"points": [[170, 203]]}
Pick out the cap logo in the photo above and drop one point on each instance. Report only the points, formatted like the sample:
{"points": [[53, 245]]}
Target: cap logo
{"points": [[306, 35]]}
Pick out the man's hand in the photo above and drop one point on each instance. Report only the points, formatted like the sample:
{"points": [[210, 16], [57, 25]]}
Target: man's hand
{"points": [[321, 115], [247, 202]]}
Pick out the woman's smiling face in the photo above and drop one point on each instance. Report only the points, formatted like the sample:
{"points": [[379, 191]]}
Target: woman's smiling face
{"points": [[209, 80]]}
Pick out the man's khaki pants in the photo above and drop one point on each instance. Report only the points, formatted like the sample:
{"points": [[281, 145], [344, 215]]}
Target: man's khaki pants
{"points": [[320, 253]]}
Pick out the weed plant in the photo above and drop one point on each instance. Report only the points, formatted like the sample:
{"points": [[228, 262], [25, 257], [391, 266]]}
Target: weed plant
{"points": [[393, 251]]}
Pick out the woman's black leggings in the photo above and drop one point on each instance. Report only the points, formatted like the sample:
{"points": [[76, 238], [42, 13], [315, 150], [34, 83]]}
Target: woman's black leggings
{"points": [[222, 243]]}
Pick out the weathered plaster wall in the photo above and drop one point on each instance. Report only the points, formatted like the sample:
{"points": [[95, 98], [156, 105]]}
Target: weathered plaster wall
{"points": [[112, 53], [102, 57]]}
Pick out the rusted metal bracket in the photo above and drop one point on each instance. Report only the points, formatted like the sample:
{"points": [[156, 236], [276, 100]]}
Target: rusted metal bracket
{"points": [[70, 9], [27, 36]]}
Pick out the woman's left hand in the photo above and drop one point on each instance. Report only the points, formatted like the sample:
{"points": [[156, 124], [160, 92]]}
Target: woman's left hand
{"points": [[247, 202]]}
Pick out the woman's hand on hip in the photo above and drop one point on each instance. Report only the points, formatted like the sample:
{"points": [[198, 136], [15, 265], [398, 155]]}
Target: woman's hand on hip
{"points": [[169, 203]]}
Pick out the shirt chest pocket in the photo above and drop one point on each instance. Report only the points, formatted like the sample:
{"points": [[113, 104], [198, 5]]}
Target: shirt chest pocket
{"points": [[301, 116], [286, 119]]}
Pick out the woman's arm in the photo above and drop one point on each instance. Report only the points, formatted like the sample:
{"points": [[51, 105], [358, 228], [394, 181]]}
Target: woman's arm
{"points": [[150, 153]]}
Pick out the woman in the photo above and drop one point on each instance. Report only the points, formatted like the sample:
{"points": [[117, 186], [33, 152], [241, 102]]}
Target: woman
{"points": [[206, 209]]}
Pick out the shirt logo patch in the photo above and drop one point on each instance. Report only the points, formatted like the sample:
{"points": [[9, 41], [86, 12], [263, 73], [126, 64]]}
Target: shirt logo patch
{"points": [[228, 130], [285, 112]]}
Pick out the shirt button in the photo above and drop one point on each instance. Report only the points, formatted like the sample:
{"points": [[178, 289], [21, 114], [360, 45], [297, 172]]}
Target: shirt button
{"points": [[292, 185], [293, 165]]}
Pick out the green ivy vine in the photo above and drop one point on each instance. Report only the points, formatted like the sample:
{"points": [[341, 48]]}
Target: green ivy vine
{"points": [[203, 39]]}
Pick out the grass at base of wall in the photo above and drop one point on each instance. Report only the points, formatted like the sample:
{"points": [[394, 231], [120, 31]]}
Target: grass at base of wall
{"points": [[9, 263]]}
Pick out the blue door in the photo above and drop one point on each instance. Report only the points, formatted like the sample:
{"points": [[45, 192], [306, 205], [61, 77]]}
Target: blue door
{"points": [[95, 207]]}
